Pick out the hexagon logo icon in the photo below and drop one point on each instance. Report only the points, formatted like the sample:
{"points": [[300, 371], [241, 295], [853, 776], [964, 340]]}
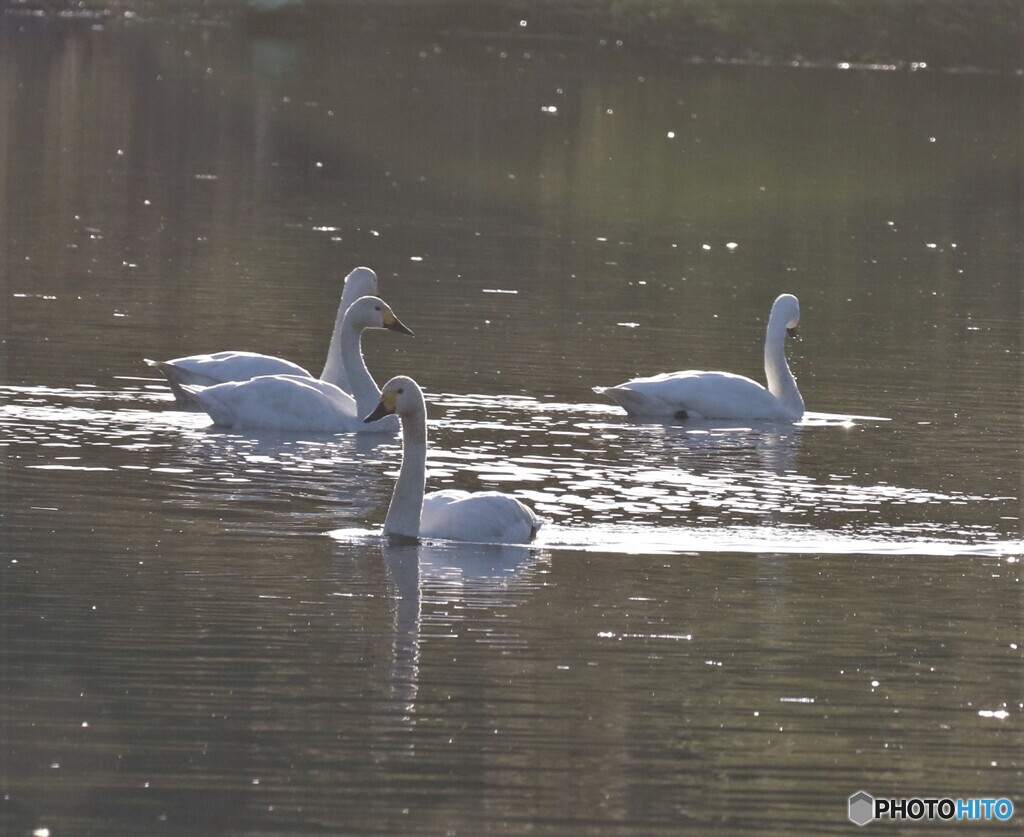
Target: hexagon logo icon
{"points": [[862, 808]]}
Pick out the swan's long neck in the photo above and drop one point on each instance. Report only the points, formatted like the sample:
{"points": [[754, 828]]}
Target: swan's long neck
{"points": [[334, 368], [781, 382], [360, 382], [403, 519]]}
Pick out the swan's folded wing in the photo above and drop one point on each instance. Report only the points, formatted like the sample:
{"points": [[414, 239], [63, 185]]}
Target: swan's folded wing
{"points": [[279, 402], [229, 366], [667, 395], [484, 517], [637, 401], [697, 394]]}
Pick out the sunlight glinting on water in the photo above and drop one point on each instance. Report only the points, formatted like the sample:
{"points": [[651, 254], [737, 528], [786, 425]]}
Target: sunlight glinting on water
{"points": [[729, 489], [676, 540], [605, 481]]}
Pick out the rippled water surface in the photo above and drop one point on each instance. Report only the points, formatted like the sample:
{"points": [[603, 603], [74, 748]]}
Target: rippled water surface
{"points": [[722, 626]]}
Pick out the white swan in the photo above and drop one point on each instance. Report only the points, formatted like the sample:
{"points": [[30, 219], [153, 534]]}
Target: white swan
{"points": [[294, 402], [721, 395], [216, 368], [480, 516]]}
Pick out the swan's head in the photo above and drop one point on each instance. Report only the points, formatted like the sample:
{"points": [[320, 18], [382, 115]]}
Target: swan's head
{"points": [[787, 310], [361, 282], [374, 312], [400, 395]]}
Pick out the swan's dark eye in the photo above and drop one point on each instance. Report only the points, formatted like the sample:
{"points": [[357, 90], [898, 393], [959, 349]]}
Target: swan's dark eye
{"points": [[376, 308], [400, 391]]}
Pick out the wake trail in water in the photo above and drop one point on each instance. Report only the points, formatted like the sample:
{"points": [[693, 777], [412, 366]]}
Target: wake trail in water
{"points": [[767, 540]]}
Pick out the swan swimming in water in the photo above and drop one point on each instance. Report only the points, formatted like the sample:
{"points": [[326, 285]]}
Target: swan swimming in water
{"points": [[216, 368], [696, 394], [294, 402], [479, 516]]}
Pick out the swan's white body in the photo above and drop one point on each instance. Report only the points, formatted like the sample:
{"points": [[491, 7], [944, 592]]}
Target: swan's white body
{"points": [[479, 516], [219, 367], [696, 394], [295, 402]]}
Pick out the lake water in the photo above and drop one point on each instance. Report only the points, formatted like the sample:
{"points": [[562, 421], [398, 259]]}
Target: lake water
{"points": [[720, 628]]}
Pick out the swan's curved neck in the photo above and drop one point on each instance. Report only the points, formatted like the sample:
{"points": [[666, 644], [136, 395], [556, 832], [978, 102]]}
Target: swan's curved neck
{"points": [[360, 382], [781, 382], [403, 519]]}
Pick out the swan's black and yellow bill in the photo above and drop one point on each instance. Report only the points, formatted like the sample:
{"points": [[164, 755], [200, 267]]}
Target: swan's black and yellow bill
{"points": [[385, 407], [793, 332], [392, 322]]}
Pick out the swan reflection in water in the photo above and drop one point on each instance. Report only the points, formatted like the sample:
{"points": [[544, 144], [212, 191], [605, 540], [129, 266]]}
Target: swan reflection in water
{"points": [[733, 445], [428, 580]]}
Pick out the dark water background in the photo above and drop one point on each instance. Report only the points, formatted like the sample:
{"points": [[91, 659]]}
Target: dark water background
{"points": [[722, 628]]}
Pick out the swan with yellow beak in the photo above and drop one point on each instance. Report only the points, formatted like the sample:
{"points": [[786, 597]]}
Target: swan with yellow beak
{"points": [[450, 514]]}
